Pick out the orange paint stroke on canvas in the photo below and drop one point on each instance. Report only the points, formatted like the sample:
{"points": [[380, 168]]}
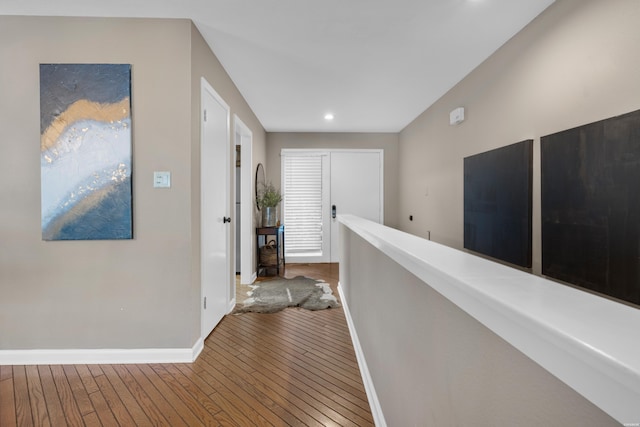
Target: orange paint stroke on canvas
{"points": [[83, 110]]}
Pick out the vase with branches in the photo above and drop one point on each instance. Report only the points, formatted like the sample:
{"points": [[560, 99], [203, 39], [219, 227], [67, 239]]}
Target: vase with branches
{"points": [[269, 197]]}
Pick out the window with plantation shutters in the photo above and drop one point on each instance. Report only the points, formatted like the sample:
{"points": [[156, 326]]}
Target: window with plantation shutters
{"points": [[303, 182]]}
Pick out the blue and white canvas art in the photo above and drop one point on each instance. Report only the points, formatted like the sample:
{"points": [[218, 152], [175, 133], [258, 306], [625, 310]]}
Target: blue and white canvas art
{"points": [[85, 151]]}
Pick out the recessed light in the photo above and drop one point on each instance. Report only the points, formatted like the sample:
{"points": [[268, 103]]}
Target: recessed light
{"points": [[328, 117]]}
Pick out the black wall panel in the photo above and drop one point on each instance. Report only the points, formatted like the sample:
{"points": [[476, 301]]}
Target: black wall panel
{"points": [[497, 203], [591, 206]]}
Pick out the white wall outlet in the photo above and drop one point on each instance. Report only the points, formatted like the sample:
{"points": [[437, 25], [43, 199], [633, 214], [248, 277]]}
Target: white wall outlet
{"points": [[162, 179]]}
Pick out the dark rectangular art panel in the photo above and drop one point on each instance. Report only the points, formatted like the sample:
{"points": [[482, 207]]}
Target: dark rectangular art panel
{"points": [[591, 206], [497, 203]]}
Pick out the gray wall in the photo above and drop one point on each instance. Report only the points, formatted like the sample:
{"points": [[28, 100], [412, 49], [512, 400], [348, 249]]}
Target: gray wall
{"points": [[140, 293], [432, 364], [578, 62], [276, 141]]}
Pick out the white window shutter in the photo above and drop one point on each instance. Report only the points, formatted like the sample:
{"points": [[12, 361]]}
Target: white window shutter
{"points": [[303, 203]]}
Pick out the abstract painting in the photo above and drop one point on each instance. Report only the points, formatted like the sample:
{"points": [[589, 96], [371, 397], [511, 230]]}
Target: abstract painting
{"points": [[591, 206], [498, 190], [85, 151]]}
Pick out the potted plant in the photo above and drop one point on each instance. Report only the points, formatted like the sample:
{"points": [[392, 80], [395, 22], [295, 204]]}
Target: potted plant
{"points": [[269, 197]]}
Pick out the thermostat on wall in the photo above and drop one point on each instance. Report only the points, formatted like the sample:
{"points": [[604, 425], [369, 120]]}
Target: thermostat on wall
{"points": [[456, 116], [162, 179]]}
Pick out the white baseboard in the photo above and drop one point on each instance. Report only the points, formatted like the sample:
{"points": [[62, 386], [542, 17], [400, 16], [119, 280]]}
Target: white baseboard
{"points": [[232, 305], [104, 356], [376, 409], [196, 350]]}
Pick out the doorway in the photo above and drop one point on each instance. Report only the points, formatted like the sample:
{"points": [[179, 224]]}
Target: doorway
{"points": [[318, 186], [244, 192], [215, 238]]}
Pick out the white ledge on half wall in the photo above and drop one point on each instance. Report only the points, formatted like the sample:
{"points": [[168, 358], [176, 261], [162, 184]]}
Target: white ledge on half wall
{"points": [[590, 343]]}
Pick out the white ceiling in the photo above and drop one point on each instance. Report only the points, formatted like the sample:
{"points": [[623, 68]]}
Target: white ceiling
{"points": [[376, 64]]}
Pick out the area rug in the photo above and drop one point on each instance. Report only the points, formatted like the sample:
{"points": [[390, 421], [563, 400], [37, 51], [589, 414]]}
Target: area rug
{"points": [[270, 296]]}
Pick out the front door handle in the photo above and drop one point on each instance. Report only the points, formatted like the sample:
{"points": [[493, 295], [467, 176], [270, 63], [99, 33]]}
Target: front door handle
{"points": [[226, 219], [333, 211]]}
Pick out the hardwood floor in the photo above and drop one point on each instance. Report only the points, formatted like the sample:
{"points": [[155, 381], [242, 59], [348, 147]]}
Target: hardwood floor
{"points": [[295, 368]]}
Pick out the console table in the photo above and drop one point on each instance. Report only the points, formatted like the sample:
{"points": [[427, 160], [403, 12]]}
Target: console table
{"points": [[263, 235]]}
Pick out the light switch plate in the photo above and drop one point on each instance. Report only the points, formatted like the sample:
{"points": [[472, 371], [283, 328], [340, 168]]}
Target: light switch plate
{"points": [[162, 179]]}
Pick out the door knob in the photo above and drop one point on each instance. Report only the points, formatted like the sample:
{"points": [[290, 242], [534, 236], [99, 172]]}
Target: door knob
{"points": [[226, 219], [333, 211]]}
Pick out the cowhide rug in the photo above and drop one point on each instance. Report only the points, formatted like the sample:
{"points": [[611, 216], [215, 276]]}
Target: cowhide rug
{"points": [[270, 296]]}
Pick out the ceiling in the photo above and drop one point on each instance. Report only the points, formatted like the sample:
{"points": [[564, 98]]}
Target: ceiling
{"points": [[375, 64]]}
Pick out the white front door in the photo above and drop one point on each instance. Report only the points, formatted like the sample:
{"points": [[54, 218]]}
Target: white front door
{"points": [[214, 210], [318, 180], [356, 189]]}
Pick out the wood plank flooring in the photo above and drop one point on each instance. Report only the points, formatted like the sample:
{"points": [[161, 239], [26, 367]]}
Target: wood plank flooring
{"points": [[294, 368]]}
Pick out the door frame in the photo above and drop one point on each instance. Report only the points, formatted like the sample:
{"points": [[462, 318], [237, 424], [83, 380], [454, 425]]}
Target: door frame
{"points": [[206, 87], [247, 276], [327, 152]]}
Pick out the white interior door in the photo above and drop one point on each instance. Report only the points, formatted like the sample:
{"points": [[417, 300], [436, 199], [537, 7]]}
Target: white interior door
{"points": [[356, 188], [215, 210]]}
